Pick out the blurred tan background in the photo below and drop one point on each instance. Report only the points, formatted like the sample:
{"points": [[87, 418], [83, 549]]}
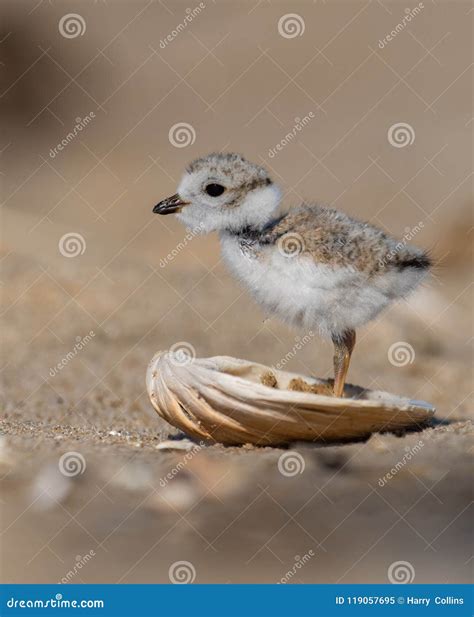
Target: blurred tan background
{"points": [[239, 76]]}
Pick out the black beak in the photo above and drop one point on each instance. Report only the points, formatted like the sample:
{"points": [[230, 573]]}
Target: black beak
{"points": [[170, 205]]}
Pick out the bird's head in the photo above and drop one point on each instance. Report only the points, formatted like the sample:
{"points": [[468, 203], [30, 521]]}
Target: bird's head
{"points": [[223, 192]]}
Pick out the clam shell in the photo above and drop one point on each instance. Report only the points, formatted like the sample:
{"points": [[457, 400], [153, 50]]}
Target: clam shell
{"points": [[222, 399]]}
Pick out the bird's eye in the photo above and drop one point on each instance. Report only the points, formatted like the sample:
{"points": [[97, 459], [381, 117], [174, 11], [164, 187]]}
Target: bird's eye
{"points": [[214, 190]]}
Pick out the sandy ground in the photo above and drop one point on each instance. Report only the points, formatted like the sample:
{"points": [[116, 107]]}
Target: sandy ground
{"points": [[229, 512]]}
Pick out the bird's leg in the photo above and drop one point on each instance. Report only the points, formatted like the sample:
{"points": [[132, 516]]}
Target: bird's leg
{"points": [[343, 346]]}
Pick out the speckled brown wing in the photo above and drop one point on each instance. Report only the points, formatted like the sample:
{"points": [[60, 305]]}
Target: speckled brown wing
{"points": [[333, 238]]}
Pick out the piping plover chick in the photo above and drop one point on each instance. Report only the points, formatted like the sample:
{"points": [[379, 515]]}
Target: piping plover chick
{"points": [[314, 267]]}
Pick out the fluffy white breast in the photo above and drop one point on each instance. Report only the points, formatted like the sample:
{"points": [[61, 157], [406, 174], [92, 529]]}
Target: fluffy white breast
{"points": [[301, 292]]}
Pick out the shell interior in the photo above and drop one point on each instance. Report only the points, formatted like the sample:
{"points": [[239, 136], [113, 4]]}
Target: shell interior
{"points": [[228, 400]]}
